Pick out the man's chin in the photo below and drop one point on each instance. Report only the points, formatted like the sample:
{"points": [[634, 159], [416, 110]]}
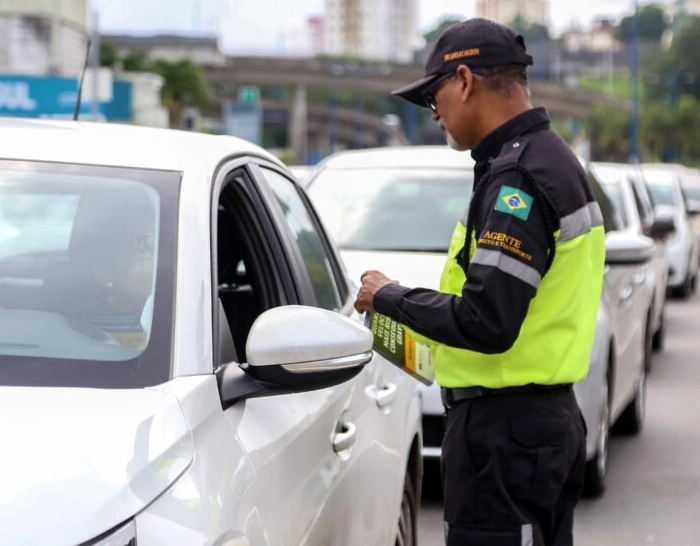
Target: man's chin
{"points": [[452, 143]]}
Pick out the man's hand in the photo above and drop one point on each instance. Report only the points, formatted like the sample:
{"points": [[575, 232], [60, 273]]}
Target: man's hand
{"points": [[372, 282]]}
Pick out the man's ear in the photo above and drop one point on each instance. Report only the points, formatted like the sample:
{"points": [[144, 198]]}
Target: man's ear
{"points": [[466, 79]]}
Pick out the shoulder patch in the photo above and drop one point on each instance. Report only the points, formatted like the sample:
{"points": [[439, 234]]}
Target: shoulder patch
{"points": [[514, 201]]}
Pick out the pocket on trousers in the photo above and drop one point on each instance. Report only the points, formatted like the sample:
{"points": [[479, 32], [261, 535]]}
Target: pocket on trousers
{"points": [[536, 457]]}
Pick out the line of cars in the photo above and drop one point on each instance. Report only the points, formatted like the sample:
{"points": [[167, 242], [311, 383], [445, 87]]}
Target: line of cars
{"points": [[180, 359], [393, 209]]}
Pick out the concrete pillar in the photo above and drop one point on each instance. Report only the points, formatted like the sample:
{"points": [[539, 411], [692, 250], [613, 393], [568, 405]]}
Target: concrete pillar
{"points": [[298, 130]]}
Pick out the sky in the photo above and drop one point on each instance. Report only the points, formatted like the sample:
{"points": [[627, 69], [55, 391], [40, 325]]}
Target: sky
{"points": [[257, 26]]}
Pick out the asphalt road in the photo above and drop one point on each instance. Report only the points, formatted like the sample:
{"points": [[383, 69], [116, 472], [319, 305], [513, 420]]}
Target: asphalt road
{"points": [[653, 495]]}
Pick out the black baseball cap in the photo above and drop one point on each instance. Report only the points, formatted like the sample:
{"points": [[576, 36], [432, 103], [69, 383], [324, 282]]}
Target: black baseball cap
{"points": [[478, 43]]}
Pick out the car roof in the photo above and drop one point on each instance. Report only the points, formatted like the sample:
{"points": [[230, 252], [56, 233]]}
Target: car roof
{"points": [[112, 144], [406, 157]]}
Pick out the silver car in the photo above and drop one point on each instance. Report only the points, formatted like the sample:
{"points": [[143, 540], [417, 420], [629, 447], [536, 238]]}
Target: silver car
{"points": [[394, 209], [683, 247], [624, 184], [180, 359]]}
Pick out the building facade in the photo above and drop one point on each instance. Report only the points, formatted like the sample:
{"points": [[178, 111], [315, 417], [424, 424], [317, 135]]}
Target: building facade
{"points": [[39, 37], [385, 30], [506, 11]]}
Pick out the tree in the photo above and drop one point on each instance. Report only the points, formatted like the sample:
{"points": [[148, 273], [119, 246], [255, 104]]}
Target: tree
{"points": [[532, 32], [109, 55], [184, 85], [443, 25], [136, 61], [651, 24], [676, 72], [608, 129]]}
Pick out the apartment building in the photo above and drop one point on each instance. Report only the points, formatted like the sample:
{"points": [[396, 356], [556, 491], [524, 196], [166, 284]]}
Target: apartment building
{"points": [[371, 29], [506, 11], [43, 36]]}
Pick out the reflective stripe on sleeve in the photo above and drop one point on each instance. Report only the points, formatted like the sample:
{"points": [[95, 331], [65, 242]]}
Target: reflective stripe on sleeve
{"points": [[580, 222], [509, 265]]}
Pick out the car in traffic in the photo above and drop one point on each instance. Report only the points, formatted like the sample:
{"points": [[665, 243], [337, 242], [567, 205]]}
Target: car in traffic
{"points": [[180, 359], [394, 210], [624, 185], [683, 247]]}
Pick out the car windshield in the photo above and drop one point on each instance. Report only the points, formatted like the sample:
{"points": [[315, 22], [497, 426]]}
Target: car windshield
{"points": [[396, 209], [81, 255]]}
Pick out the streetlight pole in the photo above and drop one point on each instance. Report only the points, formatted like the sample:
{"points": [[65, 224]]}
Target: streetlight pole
{"points": [[634, 125]]}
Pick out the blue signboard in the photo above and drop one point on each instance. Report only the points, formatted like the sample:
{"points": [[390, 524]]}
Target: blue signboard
{"points": [[36, 96], [243, 119]]}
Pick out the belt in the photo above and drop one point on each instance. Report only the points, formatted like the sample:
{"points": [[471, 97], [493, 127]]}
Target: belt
{"points": [[450, 397]]}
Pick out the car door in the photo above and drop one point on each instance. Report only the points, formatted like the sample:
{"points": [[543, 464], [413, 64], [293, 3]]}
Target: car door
{"points": [[624, 285], [298, 445], [370, 478]]}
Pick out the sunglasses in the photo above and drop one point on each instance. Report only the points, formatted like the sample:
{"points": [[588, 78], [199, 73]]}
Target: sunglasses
{"points": [[429, 93]]}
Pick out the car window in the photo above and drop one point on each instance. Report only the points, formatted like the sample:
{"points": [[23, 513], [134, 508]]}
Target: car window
{"points": [[251, 273], [312, 248], [692, 192], [611, 216], [80, 254], [392, 209], [662, 194], [614, 193], [642, 202]]}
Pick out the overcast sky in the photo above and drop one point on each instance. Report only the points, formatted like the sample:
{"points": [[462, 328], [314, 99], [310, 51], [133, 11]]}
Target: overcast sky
{"points": [[257, 25]]}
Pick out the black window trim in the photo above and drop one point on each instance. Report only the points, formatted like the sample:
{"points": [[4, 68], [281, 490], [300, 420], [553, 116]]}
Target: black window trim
{"points": [[337, 271]]}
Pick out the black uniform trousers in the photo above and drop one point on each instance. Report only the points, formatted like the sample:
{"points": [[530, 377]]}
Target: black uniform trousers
{"points": [[512, 469]]}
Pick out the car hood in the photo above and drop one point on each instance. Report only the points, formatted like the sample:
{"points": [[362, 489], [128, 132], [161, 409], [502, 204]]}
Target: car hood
{"points": [[77, 462], [411, 269]]}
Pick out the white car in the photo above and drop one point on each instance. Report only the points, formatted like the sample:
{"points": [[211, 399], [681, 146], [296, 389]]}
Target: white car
{"points": [[180, 360], [624, 184], [394, 210], [683, 247]]}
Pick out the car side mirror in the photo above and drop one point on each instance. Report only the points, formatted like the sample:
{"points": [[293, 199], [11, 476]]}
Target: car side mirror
{"points": [[664, 223], [628, 248], [692, 207], [295, 348]]}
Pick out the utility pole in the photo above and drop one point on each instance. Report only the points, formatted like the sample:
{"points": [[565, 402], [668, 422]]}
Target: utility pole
{"points": [[634, 125]]}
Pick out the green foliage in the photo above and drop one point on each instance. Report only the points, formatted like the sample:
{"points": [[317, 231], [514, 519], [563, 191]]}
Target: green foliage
{"points": [[442, 26], [532, 32], [608, 129], [109, 55], [676, 71], [651, 24], [184, 83], [136, 61], [618, 86]]}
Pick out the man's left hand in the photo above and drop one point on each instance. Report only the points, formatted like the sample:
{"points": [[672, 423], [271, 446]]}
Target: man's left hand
{"points": [[372, 282]]}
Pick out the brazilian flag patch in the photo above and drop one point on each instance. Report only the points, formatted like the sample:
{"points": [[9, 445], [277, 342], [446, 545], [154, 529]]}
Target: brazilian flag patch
{"points": [[514, 201]]}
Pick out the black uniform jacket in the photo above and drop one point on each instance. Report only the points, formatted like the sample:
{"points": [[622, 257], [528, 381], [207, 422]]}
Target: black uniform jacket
{"points": [[526, 178]]}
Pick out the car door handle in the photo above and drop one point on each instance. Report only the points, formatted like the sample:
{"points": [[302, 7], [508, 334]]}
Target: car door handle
{"points": [[345, 437], [387, 394]]}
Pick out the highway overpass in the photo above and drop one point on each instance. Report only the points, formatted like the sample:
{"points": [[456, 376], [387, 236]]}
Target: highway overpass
{"points": [[312, 125]]}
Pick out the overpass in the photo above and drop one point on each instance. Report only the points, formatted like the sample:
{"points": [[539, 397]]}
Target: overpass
{"points": [[316, 125]]}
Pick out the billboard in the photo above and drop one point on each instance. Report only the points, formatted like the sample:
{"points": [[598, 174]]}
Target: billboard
{"points": [[37, 96]]}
